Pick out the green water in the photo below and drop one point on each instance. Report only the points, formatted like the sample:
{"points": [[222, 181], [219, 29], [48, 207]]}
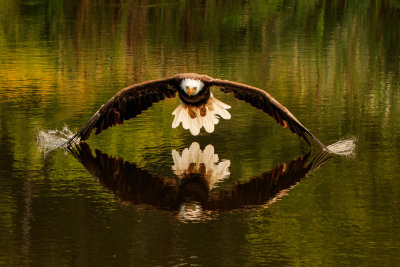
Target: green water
{"points": [[334, 64]]}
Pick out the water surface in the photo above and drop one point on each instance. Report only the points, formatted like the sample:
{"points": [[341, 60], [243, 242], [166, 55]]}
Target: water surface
{"points": [[335, 65]]}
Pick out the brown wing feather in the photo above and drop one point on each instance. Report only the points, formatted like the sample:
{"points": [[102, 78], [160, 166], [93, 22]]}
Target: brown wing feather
{"points": [[127, 103], [262, 100]]}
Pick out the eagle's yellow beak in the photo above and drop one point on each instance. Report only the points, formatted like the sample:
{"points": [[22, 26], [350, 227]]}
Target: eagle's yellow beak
{"points": [[190, 90]]}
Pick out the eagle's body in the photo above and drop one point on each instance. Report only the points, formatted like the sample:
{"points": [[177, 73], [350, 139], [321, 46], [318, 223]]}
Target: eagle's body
{"points": [[198, 107]]}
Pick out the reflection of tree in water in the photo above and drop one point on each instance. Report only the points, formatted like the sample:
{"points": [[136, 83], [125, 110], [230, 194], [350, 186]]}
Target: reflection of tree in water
{"points": [[192, 193]]}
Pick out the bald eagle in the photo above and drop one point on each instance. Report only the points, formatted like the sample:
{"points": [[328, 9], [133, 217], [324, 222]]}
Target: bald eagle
{"points": [[198, 107]]}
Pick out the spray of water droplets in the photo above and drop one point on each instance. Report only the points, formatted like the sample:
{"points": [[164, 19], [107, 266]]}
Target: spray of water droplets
{"points": [[49, 140], [345, 147]]}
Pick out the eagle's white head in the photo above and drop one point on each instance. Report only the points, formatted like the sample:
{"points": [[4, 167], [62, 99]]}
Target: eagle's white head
{"points": [[191, 87]]}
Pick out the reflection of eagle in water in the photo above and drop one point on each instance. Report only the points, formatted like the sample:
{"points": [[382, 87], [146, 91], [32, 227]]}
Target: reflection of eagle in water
{"points": [[136, 185], [198, 107]]}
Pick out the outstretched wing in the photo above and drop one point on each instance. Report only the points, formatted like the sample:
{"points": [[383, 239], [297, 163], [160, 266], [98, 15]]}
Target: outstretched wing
{"points": [[126, 104], [262, 100]]}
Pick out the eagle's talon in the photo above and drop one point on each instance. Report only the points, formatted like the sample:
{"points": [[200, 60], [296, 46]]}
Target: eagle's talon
{"points": [[192, 114], [203, 111]]}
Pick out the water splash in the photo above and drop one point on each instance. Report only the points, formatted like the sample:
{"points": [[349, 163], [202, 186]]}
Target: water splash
{"points": [[49, 140], [345, 147]]}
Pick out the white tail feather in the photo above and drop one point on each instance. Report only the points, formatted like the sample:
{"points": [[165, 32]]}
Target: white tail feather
{"points": [[208, 123], [215, 109], [185, 120], [194, 126], [215, 120], [177, 112], [220, 108]]}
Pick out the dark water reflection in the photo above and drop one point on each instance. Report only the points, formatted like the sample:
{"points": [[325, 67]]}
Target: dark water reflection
{"points": [[334, 64], [136, 185]]}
